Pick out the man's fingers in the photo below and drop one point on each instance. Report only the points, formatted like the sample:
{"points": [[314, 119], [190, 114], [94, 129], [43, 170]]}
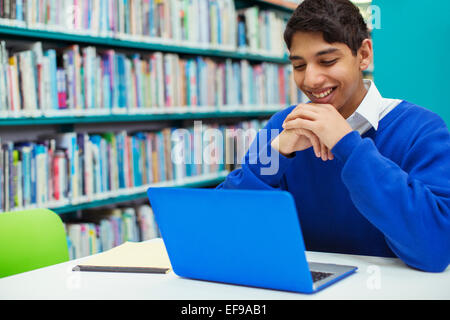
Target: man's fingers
{"points": [[299, 126], [306, 113], [315, 142], [299, 123], [320, 149], [324, 152], [330, 155]]}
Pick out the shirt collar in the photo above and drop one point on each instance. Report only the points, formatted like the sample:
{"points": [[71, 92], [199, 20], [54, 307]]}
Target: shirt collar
{"points": [[370, 108]]}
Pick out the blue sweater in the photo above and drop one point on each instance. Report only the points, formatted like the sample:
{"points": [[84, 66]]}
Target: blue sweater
{"points": [[386, 193]]}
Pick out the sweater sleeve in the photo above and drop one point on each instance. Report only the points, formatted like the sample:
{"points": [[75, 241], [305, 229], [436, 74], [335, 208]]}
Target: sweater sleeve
{"points": [[410, 202], [263, 167]]}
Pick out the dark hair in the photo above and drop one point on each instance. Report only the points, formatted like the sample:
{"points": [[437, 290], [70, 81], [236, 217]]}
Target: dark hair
{"points": [[338, 20]]}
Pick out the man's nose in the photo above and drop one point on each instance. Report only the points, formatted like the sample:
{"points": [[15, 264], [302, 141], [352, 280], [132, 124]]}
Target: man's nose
{"points": [[314, 77]]}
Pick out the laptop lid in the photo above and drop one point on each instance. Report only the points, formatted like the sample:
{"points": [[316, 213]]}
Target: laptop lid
{"points": [[244, 237]]}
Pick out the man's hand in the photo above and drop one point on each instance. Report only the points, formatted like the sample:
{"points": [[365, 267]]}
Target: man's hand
{"points": [[323, 120], [290, 141], [298, 139]]}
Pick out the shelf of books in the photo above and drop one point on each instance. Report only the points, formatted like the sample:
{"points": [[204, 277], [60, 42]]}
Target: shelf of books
{"points": [[92, 83], [143, 66], [144, 43], [202, 27], [76, 170], [100, 230]]}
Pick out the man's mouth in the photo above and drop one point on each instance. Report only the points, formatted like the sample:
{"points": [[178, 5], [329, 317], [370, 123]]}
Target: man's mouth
{"points": [[322, 94]]}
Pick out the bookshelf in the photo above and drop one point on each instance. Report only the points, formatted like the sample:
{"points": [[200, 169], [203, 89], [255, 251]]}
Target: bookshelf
{"points": [[132, 194], [137, 43], [138, 193], [32, 29], [164, 115]]}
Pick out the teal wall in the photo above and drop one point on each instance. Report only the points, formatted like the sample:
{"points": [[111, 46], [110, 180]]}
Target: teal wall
{"points": [[412, 53]]}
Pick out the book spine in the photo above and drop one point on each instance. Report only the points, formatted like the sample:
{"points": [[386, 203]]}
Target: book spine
{"points": [[57, 179], [19, 10], [121, 159], [26, 169], [128, 163], [61, 88]]}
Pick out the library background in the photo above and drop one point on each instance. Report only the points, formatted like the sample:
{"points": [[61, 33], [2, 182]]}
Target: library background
{"points": [[92, 93]]}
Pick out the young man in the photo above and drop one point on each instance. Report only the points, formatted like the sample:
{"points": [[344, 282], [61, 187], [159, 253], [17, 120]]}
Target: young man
{"points": [[369, 175]]}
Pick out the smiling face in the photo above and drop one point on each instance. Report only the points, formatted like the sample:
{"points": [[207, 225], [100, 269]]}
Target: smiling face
{"points": [[330, 73]]}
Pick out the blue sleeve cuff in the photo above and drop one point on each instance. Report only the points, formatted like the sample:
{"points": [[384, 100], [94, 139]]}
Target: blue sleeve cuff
{"points": [[344, 148], [271, 166]]}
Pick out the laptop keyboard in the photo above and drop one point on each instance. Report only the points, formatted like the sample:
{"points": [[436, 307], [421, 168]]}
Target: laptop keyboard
{"points": [[317, 276]]}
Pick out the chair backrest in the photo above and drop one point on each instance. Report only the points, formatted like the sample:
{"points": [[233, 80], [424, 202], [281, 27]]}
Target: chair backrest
{"points": [[31, 239]]}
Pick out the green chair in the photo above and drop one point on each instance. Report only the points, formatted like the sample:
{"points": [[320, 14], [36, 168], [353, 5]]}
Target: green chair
{"points": [[31, 239]]}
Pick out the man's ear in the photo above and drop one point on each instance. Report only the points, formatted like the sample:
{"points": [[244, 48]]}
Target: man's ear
{"points": [[365, 54]]}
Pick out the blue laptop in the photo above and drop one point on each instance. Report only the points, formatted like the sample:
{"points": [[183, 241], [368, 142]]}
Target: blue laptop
{"points": [[243, 237]]}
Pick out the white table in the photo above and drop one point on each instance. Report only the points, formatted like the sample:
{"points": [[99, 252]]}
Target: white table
{"points": [[376, 278]]}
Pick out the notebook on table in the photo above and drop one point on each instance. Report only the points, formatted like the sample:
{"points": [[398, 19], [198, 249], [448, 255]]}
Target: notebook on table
{"points": [[137, 257], [243, 237]]}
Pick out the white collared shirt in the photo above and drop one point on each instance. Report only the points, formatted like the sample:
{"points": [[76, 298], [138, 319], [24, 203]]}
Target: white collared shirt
{"points": [[371, 110]]}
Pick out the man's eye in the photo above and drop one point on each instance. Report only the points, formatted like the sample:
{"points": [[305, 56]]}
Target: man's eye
{"points": [[300, 67], [329, 62]]}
